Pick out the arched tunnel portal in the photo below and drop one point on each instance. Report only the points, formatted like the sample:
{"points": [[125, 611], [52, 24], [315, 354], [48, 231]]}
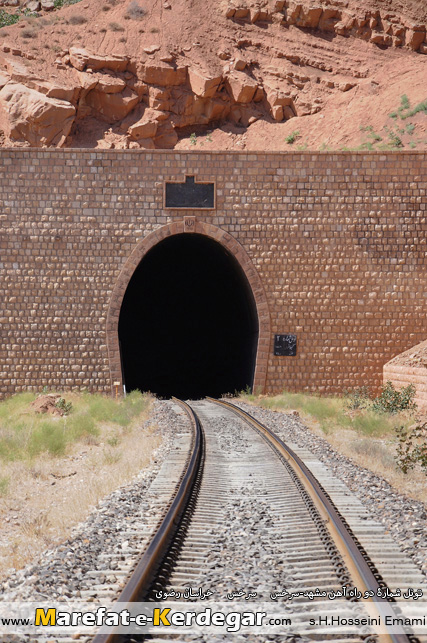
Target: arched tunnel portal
{"points": [[188, 322]]}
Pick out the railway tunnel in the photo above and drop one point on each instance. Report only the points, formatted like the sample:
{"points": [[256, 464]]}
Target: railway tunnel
{"points": [[188, 322]]}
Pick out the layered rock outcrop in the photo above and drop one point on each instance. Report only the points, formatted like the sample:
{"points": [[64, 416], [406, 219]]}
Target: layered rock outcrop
{"points": [[264, 63], [385, 28], [149, 101]]}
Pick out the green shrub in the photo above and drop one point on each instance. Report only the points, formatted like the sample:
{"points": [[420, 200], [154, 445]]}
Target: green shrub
{"points": [[121, 412], [333, 413], [14, 404], [369, 423], [412, 447], [58, 4], [7, 19], [79, 426], [371, 132], [358, 398], [394, 139], [65, 407], [392, 401], [101, 408], [130, 407], [48, 437], [292, 137], [404, 103], [421, 107], [26, 434]]}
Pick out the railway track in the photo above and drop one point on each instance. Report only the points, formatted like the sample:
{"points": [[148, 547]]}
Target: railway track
{"points": [[250, 522]]}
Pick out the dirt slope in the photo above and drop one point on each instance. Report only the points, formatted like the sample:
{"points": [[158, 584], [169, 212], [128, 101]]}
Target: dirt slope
{"points": [[236, 74]]}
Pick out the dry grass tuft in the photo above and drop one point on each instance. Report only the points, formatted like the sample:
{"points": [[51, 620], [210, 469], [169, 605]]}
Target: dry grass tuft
{"points": [[115, 26], [28, 32], [77, 20], [135, 11], [4, 485]]}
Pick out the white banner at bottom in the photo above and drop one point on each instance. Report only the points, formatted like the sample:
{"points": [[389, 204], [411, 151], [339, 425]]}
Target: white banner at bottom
{"points": [[303, 618]]}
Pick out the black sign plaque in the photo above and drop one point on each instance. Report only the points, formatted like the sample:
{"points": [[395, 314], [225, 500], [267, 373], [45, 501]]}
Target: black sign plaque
{"points": [[190, 194], [285, 345]]}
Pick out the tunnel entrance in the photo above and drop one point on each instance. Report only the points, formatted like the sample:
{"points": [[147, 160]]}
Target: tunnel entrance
{"points": [[188, 323]]}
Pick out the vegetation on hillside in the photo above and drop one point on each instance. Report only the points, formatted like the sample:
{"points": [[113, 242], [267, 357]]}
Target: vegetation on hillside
{"points": [[393, 136]]}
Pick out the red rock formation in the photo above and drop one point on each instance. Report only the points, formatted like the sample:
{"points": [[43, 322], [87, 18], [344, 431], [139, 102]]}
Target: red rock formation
{"points": [[267, 68], [28, 115]]}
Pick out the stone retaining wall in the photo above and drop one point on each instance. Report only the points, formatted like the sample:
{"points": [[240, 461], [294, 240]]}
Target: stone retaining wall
{"points": [[401, 376], [333, 245]]}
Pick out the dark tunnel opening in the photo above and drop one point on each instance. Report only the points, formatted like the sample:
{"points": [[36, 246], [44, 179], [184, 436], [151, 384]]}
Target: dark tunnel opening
{"points": [[188, 324]]}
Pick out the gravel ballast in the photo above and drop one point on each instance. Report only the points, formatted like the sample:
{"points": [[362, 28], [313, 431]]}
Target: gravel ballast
{"points": [[92, 563], [404, 518]]}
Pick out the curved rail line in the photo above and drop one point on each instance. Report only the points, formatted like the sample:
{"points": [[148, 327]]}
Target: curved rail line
{"points": [[142, 577], [363, 572]]}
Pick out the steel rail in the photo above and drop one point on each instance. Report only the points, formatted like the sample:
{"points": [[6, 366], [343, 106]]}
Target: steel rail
{"points": [[142, 577], [349, 549]]}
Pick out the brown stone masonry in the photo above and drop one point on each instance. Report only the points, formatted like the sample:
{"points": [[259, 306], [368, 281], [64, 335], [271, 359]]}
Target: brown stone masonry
{"points": [[334, 246], [402, 376]]}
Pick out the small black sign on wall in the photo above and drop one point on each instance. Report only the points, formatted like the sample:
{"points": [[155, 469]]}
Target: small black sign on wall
{"points": [[190, 194], [285, 345]]}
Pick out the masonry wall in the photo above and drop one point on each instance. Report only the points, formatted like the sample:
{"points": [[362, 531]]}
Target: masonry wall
{"points": [[402, 376], [336, 244]]}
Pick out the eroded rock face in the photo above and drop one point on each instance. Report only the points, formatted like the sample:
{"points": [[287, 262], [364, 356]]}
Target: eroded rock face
{"points": [[28, 115], [278, 60], [242, 87], [385, 28], [162, 75], [202, 84], [81, 59], [149, 101], [111, 107], [147, 126]]}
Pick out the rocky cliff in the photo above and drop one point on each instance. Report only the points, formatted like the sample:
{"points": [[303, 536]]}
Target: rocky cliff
{"points": [[237, 74]]}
